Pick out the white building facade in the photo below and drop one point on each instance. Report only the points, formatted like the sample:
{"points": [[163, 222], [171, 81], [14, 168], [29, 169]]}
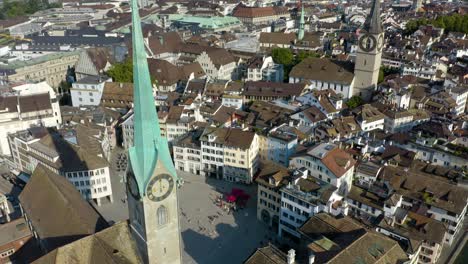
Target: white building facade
{"points": [[27, 105]]}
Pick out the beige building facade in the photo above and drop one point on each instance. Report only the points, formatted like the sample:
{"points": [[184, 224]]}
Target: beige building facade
{"points": [[50, 68]]}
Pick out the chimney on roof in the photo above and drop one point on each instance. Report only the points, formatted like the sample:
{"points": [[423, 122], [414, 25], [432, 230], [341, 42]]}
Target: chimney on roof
{"points": [[291, 256], [121, 85], [161, 40]]}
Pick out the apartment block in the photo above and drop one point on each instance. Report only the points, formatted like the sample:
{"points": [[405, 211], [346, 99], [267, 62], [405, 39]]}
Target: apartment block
{"points": [[24, 106], [76, 156]]}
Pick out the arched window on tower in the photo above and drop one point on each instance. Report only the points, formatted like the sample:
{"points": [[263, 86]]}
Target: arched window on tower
{"points": [[162, 215]]}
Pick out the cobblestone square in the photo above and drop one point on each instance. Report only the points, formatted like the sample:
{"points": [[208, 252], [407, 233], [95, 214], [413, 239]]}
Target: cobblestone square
{"points": [[210, 234]]}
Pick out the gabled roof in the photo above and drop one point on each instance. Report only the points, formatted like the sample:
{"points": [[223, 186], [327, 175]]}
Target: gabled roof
{"points": [[164, 72], [231, 137], [56, 209], [251, 12], [396, 154], [264, 88], [314, 114], [117, 95], [267, 255], [220, 57], [324, 69], [277, 38], [343, 240], [114, 245], [338, 161], [164, 42]]}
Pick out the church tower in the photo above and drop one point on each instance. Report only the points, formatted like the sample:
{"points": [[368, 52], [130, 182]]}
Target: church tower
{"points": [[369, 54], [300, 34], [151, 177]]}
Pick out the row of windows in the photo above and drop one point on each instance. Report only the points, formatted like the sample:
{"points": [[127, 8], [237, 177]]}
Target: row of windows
{"points": [[212, 144], [269, 205], [85, 173], [212, 151], [292, 218], [212, 158], [92, 182]]}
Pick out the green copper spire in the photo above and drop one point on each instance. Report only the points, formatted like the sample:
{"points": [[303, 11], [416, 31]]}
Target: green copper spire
{"points": [[300, 35], [149, 147]]}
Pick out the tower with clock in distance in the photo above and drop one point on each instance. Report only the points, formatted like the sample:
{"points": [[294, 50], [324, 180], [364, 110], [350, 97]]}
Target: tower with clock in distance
{"points": [[151, 177], [369, 54]]}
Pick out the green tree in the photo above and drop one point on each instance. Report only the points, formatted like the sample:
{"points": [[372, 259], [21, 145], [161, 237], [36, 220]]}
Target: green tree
{"points": [[11, 9], [122, 72], [453, 22], [354, 102], [282, 56]]}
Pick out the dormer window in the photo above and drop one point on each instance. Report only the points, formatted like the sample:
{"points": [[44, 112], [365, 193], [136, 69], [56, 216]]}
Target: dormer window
{"points": [[272, 181]]}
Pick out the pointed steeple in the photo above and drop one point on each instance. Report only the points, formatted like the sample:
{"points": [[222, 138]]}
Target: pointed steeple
{"points": [[300, 35], [373, 23], [149, 147]]}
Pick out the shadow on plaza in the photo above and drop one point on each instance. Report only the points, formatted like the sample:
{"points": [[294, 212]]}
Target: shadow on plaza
{"points": [[231, 244]]}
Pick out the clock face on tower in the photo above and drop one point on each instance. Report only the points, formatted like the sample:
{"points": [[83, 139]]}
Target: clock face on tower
{"points": [[160, 187], [380, 43], [367, 43], [132, 185]]}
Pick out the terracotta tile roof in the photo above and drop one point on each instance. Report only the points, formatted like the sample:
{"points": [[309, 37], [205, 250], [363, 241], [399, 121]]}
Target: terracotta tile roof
{"points": [[338, 161], [164, 42], [273, 170], [251, 12], [195, 86], [314, 114], [100, 57], [117, 95], [323, 97], [195, 68], [215, 89], [32, 103], [368, 113], [268, 114], [231, 137], [396, 154], [413, 184], [220, 57], [164, 72], [223, 115], [311, 40]]}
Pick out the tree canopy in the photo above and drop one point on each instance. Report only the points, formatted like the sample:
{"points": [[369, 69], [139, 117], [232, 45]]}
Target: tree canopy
{"points": [[121, 72], [453, 22], [12, 9], [282, 56], [286, 57], [354, 102]]}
